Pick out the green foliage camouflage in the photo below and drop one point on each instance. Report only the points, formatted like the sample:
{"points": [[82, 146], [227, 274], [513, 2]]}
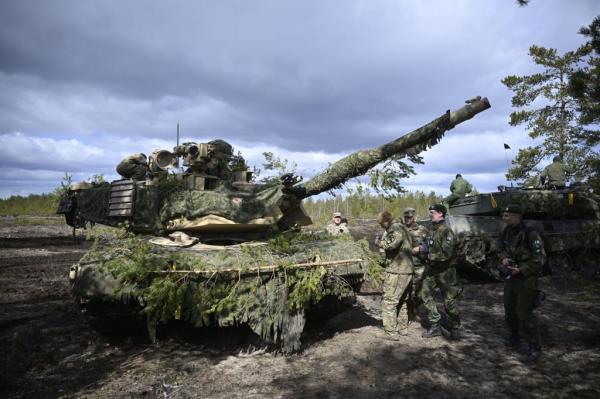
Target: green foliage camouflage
{"points": [[226, 287]]}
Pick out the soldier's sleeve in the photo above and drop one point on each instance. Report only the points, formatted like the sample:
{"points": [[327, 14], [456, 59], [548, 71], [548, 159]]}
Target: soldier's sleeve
{"points": [[502, 252], [448, 244], [392, 239], [538, 256], [445, 242]]}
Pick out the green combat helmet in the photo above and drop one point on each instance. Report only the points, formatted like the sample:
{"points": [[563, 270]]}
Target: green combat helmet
{"points": [[209, 246]]}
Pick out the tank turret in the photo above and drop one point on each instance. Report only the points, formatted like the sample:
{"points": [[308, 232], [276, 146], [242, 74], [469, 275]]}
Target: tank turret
{"points": [[214, 194]]}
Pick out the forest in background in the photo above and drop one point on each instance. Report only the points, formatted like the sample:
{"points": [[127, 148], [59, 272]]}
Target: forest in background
{"points": [[354, 206]]}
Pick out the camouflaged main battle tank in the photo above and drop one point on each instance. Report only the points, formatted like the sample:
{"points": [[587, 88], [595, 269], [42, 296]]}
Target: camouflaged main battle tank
{"points": [[209, 246], [568, 220]]}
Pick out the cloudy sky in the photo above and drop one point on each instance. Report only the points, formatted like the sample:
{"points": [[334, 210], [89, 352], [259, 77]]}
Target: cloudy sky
{"points": [[84, 83]]}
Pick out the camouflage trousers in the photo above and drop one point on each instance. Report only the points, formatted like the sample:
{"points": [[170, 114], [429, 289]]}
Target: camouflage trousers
{"points": [[415, 296], [451, 199], [394, 311], [519, 297], [444, 278]]}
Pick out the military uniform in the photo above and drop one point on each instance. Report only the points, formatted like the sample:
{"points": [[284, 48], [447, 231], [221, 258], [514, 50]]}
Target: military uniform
{"points": [[338, 229], [440, 273], [418, 234], [555, 175], [396, 243], [459, 188], [525, 247]]}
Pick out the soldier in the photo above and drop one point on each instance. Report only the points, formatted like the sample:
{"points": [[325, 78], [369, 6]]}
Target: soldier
{"points": [[522, 258], [133, 167], [338, 226], [396, 244], [554, 176], [440, 273], [418, 235], [459, 188]]}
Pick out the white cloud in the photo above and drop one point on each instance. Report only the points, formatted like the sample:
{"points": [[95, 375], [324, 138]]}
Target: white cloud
{"points": [[310, 82]]}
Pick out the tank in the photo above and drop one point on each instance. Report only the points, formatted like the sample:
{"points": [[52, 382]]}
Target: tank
{"points": [[209, 246], [568, 220]]}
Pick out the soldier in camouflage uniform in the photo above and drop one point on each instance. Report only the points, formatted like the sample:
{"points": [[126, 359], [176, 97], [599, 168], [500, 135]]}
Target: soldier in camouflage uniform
{"points": [[440, 273], [396, 244], [418, 236], [554, 176], [459, 188], [337, 227], [522, 258]]}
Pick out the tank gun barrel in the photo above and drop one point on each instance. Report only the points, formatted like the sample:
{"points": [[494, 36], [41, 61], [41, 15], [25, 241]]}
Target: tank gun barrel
{"points": [[358, 163]]}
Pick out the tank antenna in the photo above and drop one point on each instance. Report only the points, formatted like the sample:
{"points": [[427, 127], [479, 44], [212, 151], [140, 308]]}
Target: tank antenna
{"points": [[177, 144]]}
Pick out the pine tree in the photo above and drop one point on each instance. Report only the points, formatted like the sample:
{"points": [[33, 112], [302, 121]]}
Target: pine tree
{"points": [[585, 88], [547, 107]]}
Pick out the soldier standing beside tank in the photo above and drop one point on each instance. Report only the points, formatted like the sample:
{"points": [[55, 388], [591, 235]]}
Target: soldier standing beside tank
{"points": [[396, 244], [459, 188], [522, 257], [337, 226], [418, 236], [554, 176], [440, 273]]}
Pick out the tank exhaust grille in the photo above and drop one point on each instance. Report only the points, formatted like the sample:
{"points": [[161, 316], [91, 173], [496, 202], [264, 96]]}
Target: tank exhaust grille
{"points": [[121, 199]]}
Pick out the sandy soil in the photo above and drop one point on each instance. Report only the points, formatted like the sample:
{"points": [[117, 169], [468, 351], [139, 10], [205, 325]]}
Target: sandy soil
{"points": [[49, 351]]}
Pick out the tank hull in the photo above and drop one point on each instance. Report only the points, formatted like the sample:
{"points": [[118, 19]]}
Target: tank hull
{"points": [[567, 220]]}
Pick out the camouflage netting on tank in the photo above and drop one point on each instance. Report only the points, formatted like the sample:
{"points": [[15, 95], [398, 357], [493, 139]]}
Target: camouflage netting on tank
{"points": [[242, 207], [228, 287], [359, 163], [93, 203]]}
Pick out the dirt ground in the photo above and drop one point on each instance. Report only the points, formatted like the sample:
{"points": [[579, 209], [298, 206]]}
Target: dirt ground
{"points": [[48, 351]]}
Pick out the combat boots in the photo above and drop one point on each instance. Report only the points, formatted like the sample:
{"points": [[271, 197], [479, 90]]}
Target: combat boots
{"points": [[434, 331], [455, 334], [388, 336], [533, 353], [514, 340]]}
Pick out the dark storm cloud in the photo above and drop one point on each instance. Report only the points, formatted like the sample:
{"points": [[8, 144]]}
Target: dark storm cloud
{"points": [[296, 76]]}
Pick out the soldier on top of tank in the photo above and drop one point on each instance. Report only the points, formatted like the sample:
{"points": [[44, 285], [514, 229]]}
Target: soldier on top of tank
{"points": [[554, 176], [459, 188], [338, 225]]}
